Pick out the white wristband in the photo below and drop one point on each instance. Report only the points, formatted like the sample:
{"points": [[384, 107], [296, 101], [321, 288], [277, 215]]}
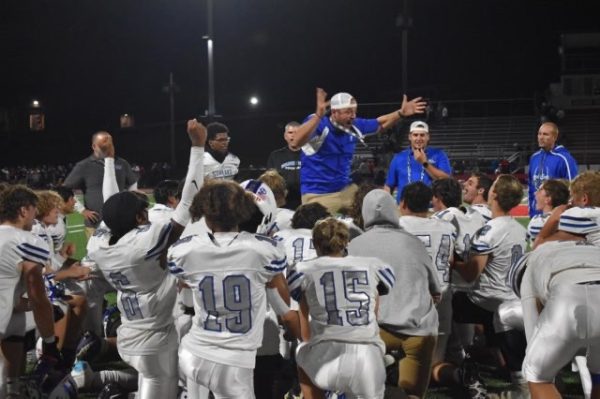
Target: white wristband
{"points": [[277, 302]]}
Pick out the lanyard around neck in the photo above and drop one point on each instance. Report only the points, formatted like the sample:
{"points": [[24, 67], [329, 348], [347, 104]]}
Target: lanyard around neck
{"points": [[409, 168]]}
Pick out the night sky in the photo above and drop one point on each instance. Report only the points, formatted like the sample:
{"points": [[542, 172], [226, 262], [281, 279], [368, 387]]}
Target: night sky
{"points": [[90, 61]]}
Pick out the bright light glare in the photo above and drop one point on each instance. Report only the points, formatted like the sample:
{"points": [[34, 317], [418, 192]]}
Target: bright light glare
{"points": [[35, 103], [254, 100]]}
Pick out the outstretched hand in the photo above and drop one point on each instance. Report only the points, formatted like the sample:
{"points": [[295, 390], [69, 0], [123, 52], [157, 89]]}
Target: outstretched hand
{"points": [[414, 106], [322, 102], [197, 133]]}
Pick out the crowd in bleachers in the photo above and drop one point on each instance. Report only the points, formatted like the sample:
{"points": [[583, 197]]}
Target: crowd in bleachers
{"points": [[445, 264]]}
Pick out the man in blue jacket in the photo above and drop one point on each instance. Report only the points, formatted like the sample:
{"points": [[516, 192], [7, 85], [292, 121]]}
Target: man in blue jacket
{"points": [[550, 162]]}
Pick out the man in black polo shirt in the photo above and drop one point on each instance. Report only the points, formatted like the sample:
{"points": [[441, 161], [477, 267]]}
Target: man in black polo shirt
{"points": [[286, 161], [87, 176]]}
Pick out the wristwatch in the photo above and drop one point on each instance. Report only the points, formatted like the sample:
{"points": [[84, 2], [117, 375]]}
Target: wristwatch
{"points": [[425, 165]]}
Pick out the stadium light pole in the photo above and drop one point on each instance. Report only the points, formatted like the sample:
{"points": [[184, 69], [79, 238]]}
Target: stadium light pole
{"points": [[210, 113], [405, 48], [171, 89]]}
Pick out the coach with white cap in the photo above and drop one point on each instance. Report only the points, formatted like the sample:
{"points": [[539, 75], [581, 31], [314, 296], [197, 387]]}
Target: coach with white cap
{"points": [[328, 144], [418, 162]]}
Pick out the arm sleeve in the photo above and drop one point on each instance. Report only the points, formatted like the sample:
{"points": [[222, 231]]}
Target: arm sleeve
{"points": [[34, 250], [274, 258], [483, 242], [193, 182], [387, 279], [277, 302], [160, 242], [580, 221], [367, 126], [176, 256], [109, 181], [444, 163], [295, 280]]}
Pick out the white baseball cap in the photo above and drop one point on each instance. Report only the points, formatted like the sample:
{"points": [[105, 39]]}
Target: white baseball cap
{"points": [[342, 101], [419, 126]]}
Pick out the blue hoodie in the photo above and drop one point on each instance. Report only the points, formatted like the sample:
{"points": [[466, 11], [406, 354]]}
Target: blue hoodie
{"points": [[545, 165]]}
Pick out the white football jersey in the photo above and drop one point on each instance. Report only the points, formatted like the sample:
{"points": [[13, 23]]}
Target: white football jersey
{"points": [[439, 237], [298, 245], [227, 273], [283, 220], [198, 227], [535, 226], [39, 229], [16, 246], [483, 209], [160, 213], [466, 226], [226, 170], [145, 291], [58, 232], [505, 241], [341, 294], [582, 221]]}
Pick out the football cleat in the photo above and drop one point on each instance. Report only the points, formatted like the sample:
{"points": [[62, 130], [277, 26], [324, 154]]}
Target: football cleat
{"points": [[471, 381]]}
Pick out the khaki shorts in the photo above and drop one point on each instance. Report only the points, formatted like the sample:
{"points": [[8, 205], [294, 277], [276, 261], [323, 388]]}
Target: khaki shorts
{"points": [[333, 201]]}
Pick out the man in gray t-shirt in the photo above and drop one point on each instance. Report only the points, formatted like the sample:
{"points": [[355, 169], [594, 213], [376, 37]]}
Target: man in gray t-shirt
{"points": [[87, 176]]}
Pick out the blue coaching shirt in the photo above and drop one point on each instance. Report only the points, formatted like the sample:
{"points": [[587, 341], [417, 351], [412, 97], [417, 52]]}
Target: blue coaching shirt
{"points": [[327, 157], [404, 169]]}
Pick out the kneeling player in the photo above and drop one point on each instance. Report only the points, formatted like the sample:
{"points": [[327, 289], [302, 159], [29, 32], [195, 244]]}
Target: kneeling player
{"points": [[342, 350], [564, 278], [232, 275]]}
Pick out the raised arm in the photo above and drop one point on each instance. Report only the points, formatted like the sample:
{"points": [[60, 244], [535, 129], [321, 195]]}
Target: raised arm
{"points": [[109, 181], [408, 108], [193, 179], [307, 128], [550, 230], [441, 171]]}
